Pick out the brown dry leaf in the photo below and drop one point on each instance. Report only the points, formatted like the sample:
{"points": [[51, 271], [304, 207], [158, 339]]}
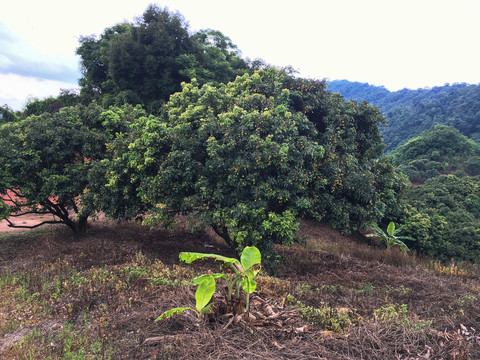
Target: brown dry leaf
{"points": [[273, 317], [290, 320], [251, 318], [454, 353], [269, 310], [300, 329], [327, 332], [226, 316], [275, 343], [164, 338], [427, 355], [255, 302], [259, 324], [257, 314], [236, 319]]}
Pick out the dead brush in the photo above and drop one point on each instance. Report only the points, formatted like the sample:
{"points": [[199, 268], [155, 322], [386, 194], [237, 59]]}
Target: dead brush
{"points": [[451, 269], [391, 256]]}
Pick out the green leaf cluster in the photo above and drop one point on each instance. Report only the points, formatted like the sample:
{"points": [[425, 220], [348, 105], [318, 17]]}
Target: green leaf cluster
{"points": [[391, 237], [443, 215]]}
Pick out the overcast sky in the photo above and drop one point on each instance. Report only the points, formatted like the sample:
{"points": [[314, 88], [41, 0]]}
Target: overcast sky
{"points": [[395, 43]]}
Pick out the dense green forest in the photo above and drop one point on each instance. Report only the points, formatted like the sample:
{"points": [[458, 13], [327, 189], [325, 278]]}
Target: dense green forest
{"points": [[437, 130], [440, 150], [410, 112], [172, 122], [442, 210]]}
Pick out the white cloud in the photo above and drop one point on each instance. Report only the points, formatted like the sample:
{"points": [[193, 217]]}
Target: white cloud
{"points": [[21, 88], [18, 57], [5, 62]]}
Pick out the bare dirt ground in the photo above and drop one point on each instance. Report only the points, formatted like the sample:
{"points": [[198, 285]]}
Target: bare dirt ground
{"points": [[97, 297]]}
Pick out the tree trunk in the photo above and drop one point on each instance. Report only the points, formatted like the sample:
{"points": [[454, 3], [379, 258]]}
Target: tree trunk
{"points": [[79, 226], [222, 231]]}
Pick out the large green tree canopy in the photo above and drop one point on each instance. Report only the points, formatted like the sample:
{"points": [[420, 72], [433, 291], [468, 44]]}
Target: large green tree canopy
{"points": [[7, 114], [45, 161], [249, 157], [51, 104]]}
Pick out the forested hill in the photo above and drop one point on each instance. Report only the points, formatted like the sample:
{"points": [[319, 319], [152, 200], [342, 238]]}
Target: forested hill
{"points": [[440, 150], [410, 112]]}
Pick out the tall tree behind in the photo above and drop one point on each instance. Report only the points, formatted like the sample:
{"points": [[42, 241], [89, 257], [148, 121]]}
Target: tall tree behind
{"points": [[145, 62], [142, 64]]}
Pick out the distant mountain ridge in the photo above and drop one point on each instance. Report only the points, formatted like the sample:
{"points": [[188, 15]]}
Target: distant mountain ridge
{"points": [[410, 112]]}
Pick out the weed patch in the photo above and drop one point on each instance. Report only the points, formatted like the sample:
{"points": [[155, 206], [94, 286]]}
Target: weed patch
{"points": [[338, 320]]}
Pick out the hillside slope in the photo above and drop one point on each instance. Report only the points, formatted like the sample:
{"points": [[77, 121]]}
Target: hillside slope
{"points": [[442, 210], [98, 297], [441, 149]]}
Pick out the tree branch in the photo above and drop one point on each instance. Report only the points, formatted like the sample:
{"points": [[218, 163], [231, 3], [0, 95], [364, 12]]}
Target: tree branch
{"points": [[222, 232], [29, 212], [56, 209], [12, 225], [16, 193], [75, 208], [9, 198]]}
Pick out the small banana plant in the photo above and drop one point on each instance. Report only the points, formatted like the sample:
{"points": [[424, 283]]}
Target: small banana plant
{"points": [[390, 237], [244, 271]]}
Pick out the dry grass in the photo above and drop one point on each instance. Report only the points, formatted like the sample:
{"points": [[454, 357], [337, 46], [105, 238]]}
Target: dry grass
{"points": [[96, 297]]}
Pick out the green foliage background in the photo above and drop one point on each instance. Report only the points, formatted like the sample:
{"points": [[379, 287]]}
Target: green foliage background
{"points": [[441, 211]]}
